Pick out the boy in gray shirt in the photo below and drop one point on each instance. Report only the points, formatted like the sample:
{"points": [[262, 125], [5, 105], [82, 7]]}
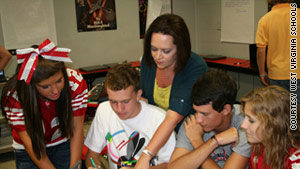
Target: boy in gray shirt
{"points": [[212, 138]]}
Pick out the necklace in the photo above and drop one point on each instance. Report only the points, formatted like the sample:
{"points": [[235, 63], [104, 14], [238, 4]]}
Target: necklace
{"points": [[47, 103]]}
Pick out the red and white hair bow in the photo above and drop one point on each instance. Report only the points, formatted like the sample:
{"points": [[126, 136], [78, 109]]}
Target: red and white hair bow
{"points": [[30, 56]]}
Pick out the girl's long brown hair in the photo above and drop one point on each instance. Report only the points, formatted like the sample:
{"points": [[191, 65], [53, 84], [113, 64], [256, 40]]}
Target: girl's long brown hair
{"points": [[28, 97], [271, 106]]}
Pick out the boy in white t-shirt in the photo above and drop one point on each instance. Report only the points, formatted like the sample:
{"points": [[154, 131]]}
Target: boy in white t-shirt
{"points": [[125, 124]]}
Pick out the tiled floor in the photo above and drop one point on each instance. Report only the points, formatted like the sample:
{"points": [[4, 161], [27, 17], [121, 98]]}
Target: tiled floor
{"points": [[7, 159]]}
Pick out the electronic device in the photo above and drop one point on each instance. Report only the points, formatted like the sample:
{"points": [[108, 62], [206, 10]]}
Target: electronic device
{"points": [[214, 57], [2, 76], [98, 93], [94, 93], [110, 65]]}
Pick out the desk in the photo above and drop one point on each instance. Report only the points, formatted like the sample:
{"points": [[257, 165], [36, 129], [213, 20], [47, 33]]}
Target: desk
{"points": [[233, 64], [92, 75]]}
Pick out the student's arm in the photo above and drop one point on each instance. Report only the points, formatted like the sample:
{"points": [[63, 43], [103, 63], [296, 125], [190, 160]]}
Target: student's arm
{"points": [[194, 133], [77, 140], [160, 166], [236, 161], [5, 56], [160, 137], [91, 154], [201, 155], [182, 158], [261, 61], [44, 162]]}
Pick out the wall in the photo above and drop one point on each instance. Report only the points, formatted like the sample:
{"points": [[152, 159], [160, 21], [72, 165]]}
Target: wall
{"points": [[208, 25], [99, 47], [203, 18], [208, 39]]}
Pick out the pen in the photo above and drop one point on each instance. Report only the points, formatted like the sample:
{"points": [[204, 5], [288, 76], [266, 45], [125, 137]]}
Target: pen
{"points": [[93, 163]]}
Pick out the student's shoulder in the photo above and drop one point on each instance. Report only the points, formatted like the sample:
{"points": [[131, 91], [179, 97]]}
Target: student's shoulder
{"points": [[294, 157], [152, 109], [72, 72], [104, 110], [104, 106], [237, 117]]}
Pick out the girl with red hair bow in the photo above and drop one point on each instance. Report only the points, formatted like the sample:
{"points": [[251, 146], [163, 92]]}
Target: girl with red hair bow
{"points": [[45, 102]]}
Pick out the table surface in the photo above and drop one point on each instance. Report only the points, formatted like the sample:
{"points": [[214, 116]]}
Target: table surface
{"points": [[233, 64]]}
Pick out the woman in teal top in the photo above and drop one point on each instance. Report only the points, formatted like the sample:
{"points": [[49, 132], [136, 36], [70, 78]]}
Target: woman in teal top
{"points": [[168, 63]]}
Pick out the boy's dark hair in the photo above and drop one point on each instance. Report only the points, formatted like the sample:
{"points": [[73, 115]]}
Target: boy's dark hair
{"points": [[122, 76], [214, 86]]}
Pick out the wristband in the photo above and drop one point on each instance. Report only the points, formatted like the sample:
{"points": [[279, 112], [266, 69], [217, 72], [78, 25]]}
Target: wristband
{"points": [[148, 153], [215, 139], [263, 75]]}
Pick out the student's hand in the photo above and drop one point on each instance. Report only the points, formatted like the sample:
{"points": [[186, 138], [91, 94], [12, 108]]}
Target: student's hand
{"points": [[193, 130], [143, 162], [228, 136], [126, 168], [265, 80]]}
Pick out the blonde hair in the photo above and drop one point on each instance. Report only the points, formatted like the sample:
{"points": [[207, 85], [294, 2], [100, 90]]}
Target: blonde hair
{"points": [[271, 106]]}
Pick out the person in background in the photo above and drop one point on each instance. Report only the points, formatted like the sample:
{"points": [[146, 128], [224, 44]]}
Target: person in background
{"points": [[275, 31], [5, 56], [272, 128], [168, 72], [212, 138], [45, 103], [125, 124]]}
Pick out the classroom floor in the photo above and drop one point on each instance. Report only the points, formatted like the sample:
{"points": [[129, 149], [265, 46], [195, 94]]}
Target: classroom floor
{"points": [[7, 160]]}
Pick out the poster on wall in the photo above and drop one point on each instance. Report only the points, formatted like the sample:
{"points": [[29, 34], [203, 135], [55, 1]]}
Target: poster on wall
{"points": [[143, 4], [95, 15]]}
